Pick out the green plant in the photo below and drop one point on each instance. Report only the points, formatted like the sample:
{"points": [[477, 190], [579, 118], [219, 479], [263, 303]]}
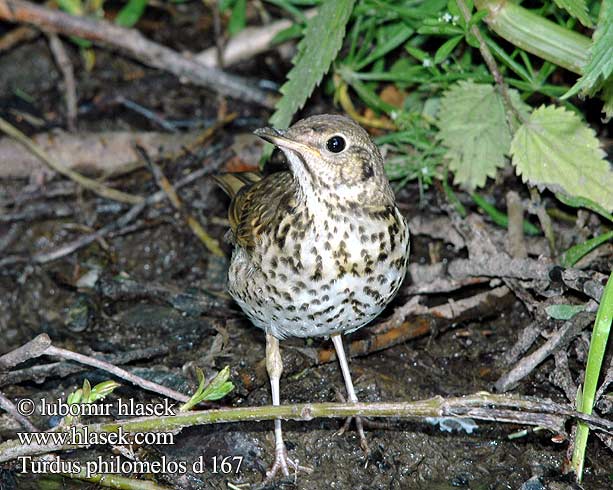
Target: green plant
{"points": [[470, 94]]}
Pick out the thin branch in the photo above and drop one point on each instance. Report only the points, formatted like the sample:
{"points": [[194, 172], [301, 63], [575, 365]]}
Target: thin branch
{"points": [[491, 64], [559, 340], [133, 43], [120, 373], [60, 168], [12, 410], [482, 406], [123, 220], [70, 88], [30, 350], [41, 345]]}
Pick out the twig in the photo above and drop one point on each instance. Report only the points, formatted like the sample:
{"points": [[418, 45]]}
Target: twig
{"points": [[11, 409], [558, 340], [526, 338], [30, 350], [131, 42], [248, 43], [482, 406], [397, 329], [70, 88], [133, 213], [60, 168], [516, 245], [110, 480], [41, 372], [492, 65], [209, 242], [544, 219], [41, 345], [16, 36], [120, 373]]}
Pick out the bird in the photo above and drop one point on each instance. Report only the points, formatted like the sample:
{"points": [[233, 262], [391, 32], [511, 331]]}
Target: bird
{"points": [[319, 250]]}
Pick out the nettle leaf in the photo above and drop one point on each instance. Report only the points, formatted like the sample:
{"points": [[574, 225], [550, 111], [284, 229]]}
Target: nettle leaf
{"points": [[473, 126], [576, 8], [554, 148], [600, 64], [316, 51]]}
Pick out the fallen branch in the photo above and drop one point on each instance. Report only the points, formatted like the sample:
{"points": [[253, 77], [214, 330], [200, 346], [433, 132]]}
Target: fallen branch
{"points": [[34, 347], [70, 88], [481, 406], [248, 43], [42, 372], [60, 168], [133, 43], [558, 340], [106, 153]]}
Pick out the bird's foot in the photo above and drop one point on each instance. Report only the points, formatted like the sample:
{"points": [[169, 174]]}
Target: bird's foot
{"points": [[359, 423], [284, 463]]}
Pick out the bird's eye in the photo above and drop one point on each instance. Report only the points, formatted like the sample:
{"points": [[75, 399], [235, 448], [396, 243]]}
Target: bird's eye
{"points": [[336, 144]]}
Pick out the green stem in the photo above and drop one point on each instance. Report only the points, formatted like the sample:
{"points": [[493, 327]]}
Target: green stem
{"points": [[481, 406], [598, 344], [537, 35]]}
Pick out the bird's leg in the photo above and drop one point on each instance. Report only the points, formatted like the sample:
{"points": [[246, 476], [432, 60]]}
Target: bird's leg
{"points": [[274, 366], [342, 360]]}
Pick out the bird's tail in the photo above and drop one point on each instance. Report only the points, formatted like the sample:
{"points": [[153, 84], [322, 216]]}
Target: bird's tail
{"points": [[231, 183]]}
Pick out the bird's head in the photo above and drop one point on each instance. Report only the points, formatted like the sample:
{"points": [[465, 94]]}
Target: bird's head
{"points": [[332, 157]]}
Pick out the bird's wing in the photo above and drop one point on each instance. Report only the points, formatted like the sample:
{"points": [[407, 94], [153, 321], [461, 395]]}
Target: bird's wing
{"points": [[258, 203]]}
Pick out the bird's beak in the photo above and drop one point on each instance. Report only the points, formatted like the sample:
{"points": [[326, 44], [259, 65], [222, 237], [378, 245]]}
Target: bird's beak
{"points": [[277, 138]]}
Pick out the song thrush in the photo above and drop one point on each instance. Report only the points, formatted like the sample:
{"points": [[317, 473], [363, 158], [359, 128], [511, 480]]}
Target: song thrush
{"points": [[319, 250]]}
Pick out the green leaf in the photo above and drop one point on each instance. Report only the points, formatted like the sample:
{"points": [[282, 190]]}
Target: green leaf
{"points": [[563, 312], [322, 41], [238, 18], [576, 8], [445, 50], [392, 36], [473, 126], [73, 7], [216, 389], [593, 371], [582, 202], [500, 218], [575, 253], [555, 149], [292, 32], [600, 62], [131, 13]]}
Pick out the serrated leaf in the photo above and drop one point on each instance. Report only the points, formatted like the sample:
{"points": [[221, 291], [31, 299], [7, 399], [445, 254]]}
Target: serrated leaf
{"points": [[322, 41], [473, 126], [576, 8], [564, 312], [554, 148], [600, 63]]}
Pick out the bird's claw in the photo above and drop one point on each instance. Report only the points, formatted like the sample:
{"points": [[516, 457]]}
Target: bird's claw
{"points": [[284, 463], [359, 423]]}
